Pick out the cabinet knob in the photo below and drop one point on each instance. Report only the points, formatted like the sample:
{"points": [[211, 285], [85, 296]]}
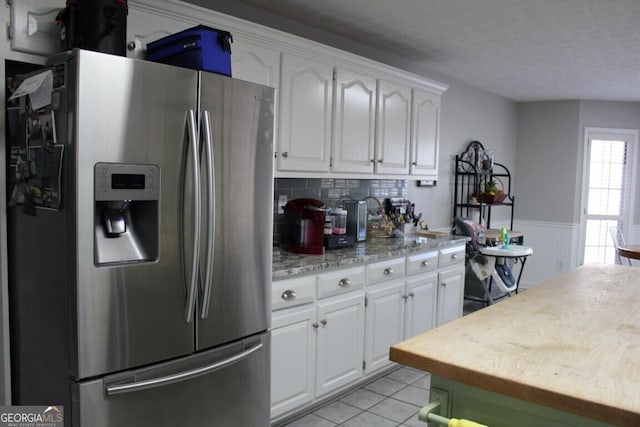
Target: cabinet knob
{"points": [[424, 263], [373, 161], [414, 163], [380, 161], [131, 46], [388, 271], [405, 296], [289, 295], [454, 256], [411, 294], [323, 321], [344, 282], [444, 285], [315, 326], [285, 154]]}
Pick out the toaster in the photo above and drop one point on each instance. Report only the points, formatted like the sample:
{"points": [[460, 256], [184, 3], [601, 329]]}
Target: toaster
{"points": [[356, 219]]}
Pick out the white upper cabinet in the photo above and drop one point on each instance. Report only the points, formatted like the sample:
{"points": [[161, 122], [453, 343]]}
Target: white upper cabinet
{"points": [[353, 145], [255, 63], [144, 27], [425, 133], [338, 115], [306, 94], [394, 128]]}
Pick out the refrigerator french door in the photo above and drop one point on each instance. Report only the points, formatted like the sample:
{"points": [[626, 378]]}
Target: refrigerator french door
{"points": [[160, 251]]}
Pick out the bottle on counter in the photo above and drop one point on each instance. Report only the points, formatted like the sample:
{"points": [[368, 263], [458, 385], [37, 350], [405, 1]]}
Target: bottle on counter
{"points": [[328, 225]]}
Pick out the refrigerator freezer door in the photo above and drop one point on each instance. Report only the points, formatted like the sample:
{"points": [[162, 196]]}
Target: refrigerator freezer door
{"points": [[241, 123], [228, 386], [133, 112]]}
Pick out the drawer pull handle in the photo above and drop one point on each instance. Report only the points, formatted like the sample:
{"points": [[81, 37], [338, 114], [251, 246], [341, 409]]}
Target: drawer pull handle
{"points": [[289, 295], [454, 256], [388, 271], [344, 283], [424, 263], [323, 321]]}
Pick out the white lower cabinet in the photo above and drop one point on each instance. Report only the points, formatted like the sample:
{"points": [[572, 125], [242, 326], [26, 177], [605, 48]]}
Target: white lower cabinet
{"points": [[293, 358], [420, 308], [450, 294], [384, 323], [340, 342], [335, 328]]}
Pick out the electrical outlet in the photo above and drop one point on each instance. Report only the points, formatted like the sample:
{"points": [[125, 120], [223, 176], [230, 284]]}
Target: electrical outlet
{"points": [[282, 200], [442, 397]]}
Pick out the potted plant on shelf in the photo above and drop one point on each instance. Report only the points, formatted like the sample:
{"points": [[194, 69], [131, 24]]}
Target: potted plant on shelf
{"points": [[492, 194]]}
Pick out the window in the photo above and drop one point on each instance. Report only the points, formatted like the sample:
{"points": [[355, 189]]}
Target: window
{"points": [[606, 199]]}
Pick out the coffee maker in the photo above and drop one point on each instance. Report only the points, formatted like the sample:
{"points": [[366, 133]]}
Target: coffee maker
{"points": [[304, 226]]}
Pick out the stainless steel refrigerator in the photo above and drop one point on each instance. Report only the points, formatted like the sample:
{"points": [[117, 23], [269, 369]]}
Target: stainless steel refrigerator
{"points": [[139, 280]]}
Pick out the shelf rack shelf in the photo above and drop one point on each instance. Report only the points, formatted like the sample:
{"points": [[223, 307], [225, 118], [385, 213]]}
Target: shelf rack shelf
{"points": [[474, 168]]}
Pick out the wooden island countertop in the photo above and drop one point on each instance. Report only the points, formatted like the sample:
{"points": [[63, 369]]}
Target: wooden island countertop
{"points": [[572, 343]]}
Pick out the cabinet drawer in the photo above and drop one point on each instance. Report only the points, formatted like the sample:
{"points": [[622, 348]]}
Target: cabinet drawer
{"points": [[292, 292], [451, 256], [385, 270], [340, 281], [422, 263]]}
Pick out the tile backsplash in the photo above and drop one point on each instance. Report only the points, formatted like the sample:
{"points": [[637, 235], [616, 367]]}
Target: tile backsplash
{"points": [[331, 191]]}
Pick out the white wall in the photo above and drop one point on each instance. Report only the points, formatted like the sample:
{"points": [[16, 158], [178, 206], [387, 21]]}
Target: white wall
{"points": [[549, 169], [468, 114]]}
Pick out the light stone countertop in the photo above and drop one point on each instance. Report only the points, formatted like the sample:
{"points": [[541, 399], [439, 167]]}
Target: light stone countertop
{"points": [[289, 264]]}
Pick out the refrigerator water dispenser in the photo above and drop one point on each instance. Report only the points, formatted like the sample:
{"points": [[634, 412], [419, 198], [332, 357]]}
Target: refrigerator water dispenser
{"points": [[126, 213]]}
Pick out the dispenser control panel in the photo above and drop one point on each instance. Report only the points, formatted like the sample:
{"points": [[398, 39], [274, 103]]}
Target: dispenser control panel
{"points": [[121, 181]]}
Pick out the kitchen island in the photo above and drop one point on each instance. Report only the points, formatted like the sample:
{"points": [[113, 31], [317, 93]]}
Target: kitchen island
{"points": [[566, 352]]}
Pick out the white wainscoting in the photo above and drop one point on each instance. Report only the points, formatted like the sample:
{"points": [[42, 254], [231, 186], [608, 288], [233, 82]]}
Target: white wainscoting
{"points": [[555, 249]]}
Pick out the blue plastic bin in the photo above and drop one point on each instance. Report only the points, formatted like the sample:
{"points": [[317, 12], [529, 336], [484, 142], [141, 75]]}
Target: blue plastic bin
{"points": [[199, 48]]}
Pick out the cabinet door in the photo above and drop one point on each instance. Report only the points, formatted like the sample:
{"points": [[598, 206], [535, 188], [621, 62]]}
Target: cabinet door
{"points": [[450, 295], [306, 93], [420, 314], [145, 26], [393, 136], [384, 323], [425, 133], [255, 63], [293, 352], [353, 141], [340, 343]]}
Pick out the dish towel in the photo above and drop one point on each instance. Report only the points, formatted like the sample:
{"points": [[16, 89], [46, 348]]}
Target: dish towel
{"points": [[453, 422]]}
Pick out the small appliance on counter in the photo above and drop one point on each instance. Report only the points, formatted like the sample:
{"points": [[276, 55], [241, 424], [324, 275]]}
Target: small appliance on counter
{"points": [[356, 219], [339, 241], [339, 238], [304, 226]]}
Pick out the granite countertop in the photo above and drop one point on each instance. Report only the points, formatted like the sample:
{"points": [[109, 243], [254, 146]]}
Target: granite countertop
{"points": [[288, 264]]}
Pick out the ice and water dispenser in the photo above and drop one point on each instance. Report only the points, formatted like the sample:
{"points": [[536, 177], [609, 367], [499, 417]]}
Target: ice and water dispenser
{"points": [[126, 217]]}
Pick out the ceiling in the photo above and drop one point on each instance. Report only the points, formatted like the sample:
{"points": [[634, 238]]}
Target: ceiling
{"points": [[524, 50]]}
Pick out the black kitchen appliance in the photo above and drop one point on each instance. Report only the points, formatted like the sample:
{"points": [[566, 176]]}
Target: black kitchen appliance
{"points": [[98, 25], [339, 241], [356, 219], [304, 226]]}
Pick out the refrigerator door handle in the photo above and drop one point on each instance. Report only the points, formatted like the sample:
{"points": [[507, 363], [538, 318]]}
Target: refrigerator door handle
{"points": [[193, 280], [180, 376], [211, 212]]}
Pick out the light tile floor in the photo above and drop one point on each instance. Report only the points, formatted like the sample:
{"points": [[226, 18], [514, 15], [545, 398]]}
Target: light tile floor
{"points": [[392, 400]]}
